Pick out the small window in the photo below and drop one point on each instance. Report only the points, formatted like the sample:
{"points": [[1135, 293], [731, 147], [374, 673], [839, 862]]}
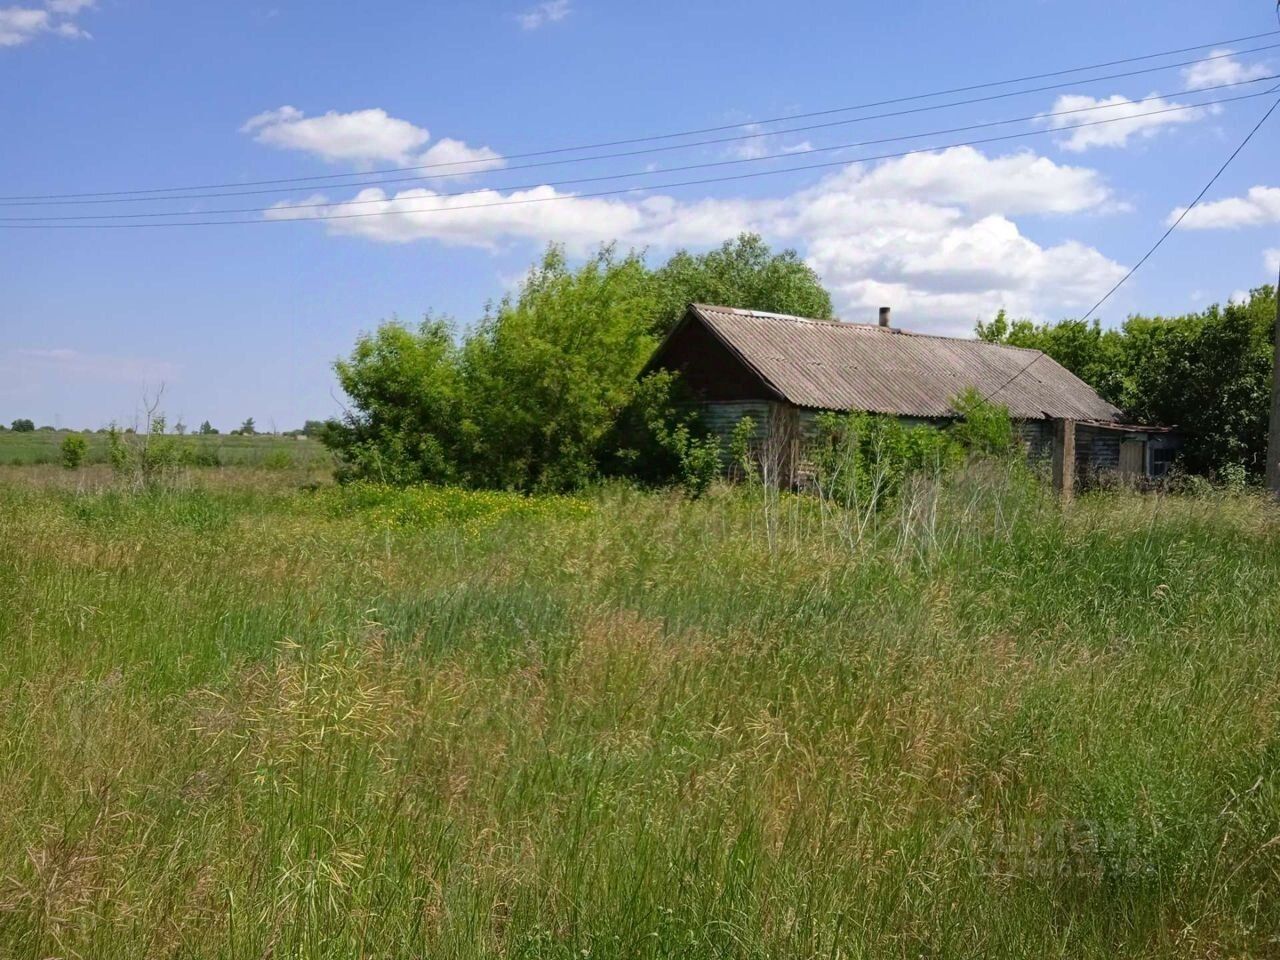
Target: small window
{"points": [[1162, 459]]}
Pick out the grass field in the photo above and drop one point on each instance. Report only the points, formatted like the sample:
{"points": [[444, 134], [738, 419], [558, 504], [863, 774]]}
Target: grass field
{"points": [[246, 719], [44, 446]]}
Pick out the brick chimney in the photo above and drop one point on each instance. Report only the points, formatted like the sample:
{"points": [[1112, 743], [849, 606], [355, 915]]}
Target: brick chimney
{"points": [[884, 316]]}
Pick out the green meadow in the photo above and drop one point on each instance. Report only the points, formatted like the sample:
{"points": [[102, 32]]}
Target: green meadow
{"points": [[269, 450], [257, 715]]}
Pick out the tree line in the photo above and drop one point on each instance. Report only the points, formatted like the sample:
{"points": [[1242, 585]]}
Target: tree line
{"points": [[1207, 372], [247, 428]]}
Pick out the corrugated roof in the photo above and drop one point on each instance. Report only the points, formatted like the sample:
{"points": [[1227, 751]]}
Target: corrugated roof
{"points": [[829, 365]]}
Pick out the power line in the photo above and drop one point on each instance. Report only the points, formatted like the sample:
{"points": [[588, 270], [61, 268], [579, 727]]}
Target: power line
{"points": [[353, 180], [721, 163], [1182, 216], [1165, 236], [608, 156], [561, 197], [122, 195]]}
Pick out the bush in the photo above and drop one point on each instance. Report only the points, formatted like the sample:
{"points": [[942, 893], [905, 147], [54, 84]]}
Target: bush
{"points": [[147, 460], [983, 428], [659, 439], [277, 460], [23, 426], [865, 459], [740, 447], [199, 455], [74, 450], [699, 460]]}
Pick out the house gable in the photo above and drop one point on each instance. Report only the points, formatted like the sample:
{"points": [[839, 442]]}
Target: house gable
{"points": [[709, 369]]}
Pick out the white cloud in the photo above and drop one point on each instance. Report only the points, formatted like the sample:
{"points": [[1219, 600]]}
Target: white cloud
{"points": [[1271, 257], [552, 11], [762, 144], [1140, 123], [19, 25], [69, 8], [930, 234], [1144, 118], [942, 267], [1261, 205], [1017, 183], [447, 152], [1213, 73], [363, 137], [473, 219]]}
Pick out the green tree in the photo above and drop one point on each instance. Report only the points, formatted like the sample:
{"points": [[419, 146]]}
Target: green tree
{"points": [[22, 426], [74, 449], [547, 373], [405, 386], [1091, 353], [207, 429], [247, 428], [1208, 373], [742, 272]]}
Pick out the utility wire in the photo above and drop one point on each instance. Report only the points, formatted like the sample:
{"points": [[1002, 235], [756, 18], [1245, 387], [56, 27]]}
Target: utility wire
{"points": [[1182, 216], [1165, 236], [84, 197], [560, 197], [715, 163], [609, 156], [604, 156]]}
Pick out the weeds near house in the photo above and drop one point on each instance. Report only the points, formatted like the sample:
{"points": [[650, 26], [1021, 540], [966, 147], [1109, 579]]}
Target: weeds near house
{"points": [[240, 720]]}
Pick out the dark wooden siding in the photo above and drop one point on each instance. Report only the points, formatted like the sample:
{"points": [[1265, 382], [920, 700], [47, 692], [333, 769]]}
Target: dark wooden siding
{"points": [[1097, 450], [722, 417], [1038, 437], [708, 369]]}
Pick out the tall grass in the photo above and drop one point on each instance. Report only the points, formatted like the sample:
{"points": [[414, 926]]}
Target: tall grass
{"points": [[236, 721]]}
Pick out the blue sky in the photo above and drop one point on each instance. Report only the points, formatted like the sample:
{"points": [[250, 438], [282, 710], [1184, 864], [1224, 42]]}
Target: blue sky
{"points": [[244, 320]]}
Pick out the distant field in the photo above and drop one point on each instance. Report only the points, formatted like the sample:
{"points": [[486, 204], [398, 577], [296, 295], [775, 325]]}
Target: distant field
{"points": [[43, 446]]}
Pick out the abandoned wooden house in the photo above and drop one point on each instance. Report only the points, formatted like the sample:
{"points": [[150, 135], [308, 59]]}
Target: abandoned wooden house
{"points": [[781, 371]]}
